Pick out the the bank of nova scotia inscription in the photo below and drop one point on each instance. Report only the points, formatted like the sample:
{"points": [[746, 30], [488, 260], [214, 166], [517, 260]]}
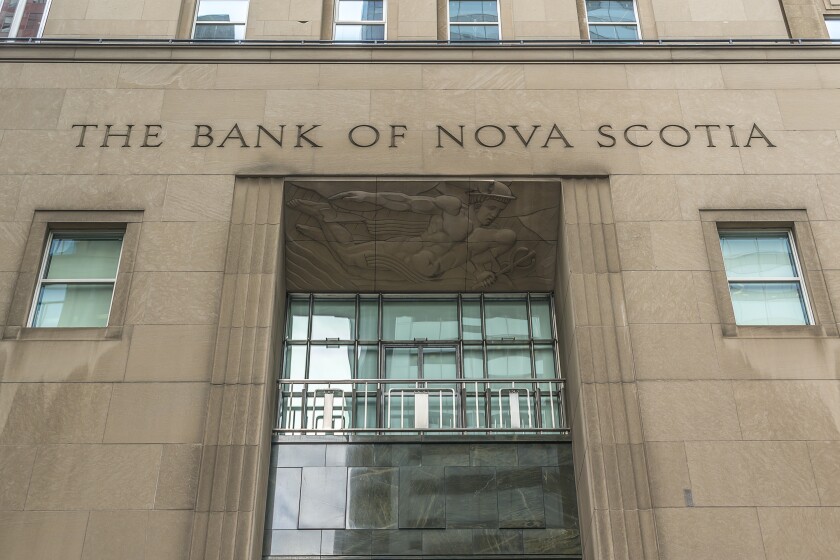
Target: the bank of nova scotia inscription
{"points": [[412, 235]]}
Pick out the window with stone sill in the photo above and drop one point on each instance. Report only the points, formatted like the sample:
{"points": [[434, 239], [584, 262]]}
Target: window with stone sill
{"points": [[359, 20], [474, 20], [23, 18], [612, 20], [220, 20]]}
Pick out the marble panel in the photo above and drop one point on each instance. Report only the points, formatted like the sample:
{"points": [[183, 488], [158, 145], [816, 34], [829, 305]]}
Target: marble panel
{"points": [[298, 455], [346, 543], [520, 498], [422, 500], [497, 541], [396, 455], [284, 503], [450, 542], [290, 543], [349, 455], [397, 543], [551, 541], [372, 497], [544, 454], [561, 509], [445, 455], [323, 498], [492, 455], [471, 498]]}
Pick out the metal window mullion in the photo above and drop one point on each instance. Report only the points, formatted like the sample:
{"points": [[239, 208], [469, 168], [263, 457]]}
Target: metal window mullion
{"points": [[769, 280], [800, 277], [16, 19]]}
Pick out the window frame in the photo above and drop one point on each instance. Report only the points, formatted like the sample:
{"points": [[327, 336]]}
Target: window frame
{"points": [[18, 17], [244, 23], [636, 24], [449, 25], [336, 22]]}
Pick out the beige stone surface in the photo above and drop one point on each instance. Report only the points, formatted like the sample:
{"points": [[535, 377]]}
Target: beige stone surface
{"points": [[157, 413], [669, 475], [182, 246], [766, 408], [168, 535], [709, 533], [660, 297], [15, 469], [178, 481], [688, 410], [800, 532], [170, 353], [115, 534], [675, 352], [160, 298], [825, 459], [42, 535], [34, 361]]}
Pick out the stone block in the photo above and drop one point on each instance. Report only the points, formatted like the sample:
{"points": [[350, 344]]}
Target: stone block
{"points": [[157, 413], [689, 410], [42, 535], [660, 297], [674, 352], [170, 353], [16, 463], [115, 534], [825, 459], [178, 480], [709, 533], [800, 532], [788, 410]]}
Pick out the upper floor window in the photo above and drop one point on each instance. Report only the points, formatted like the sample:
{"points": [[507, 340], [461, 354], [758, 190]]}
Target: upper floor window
{"points": [[474, 20], [221, 20], [23, 18], [612, 20], [359, 20], [76, 282], [833, 25], [765, 279]]}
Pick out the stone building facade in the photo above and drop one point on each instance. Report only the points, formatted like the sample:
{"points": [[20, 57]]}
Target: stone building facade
{"points": [[459, 190]]}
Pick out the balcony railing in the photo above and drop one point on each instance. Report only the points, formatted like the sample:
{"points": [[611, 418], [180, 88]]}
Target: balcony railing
{"points": [[412, 406]]}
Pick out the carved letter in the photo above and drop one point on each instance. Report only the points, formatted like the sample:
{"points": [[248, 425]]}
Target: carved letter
{"points": [[353, 130], [261, 129], [627, 135], [84, 128], [108, 135], [237, 136], [708, 128], [522, 139], [558, 136], [502, 136], [732, 135], [687, 135], [395, 134], [603, 133], [149, 134], [301, 135], [756, 133], [460, 141], [208, 131]]}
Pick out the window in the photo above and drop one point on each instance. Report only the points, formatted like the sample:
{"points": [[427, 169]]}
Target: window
{"points": [[833, 25], [23, 18], [221, 20], [359, 20], [764, 277], [76, 282], [474, 20], [613, 20]]}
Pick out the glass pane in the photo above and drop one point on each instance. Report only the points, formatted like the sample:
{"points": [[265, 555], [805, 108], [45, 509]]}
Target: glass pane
{"points": [[368, 362], [471, 316], [474, 33], [344, 32], [613, 32], [768, 304], [360, 10], [80, 257], [610, 11], [473, 11], [223, 10], [541, 318], [219, 32], [368, 319], [365, 413], [421, 319], [833, 26], [331, 362], [508, 361], [295, 366], [30, 22], [439, 363], [544, 361], [476, 417], [73, 305], [757, 255], [298, 323], [334, 319], [550, 410], [402, 363], [7, 14], [473, 363], [506, 319]]}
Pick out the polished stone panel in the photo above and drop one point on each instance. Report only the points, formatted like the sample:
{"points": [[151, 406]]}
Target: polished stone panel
{"points": [[323, 498], [284, 504], [285, 543], [422, 502], [350, 543], [396, 455], [471, 499], [349, 455], [520, 498], [492, 455], [372, 497], [445, 455], [551, 541], [495, 541], [304, 455], [448, 542], [542, 454], [560, 498], [399, 542]]}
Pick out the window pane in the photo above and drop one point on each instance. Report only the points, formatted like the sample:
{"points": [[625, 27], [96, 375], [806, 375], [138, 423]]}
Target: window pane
{"points": [[757, 255], [298, 322], [541, 318], [334, 319], [473, 11], [474, 33], [768, 304], [331, 362], [544, 361], [295, 366], [506, 318], [613, 32], [78, 257], [473, 363], [344, 32], [73, 305], [421, 319], [30, 22], [508, 361], [439, 363], [369, 319], [833, 26], [220, 32], [402, 363], [610, 11], [368, 363], [7, 14], [360, 10], [223, 10], [471, 317]]}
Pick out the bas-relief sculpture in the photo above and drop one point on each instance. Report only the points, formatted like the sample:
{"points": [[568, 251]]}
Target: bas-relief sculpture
{"points": [[431, 236]]}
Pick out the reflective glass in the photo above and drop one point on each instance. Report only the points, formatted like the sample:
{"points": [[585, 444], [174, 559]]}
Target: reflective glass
{"points": [[73, 305], [544, 361], [609, 11], [476, 417], [833, 25], [223, 10], [439, 363], [402, 363], [295, 366], [350, 32], [298, 323], [420, 320], [508, 361], [360, 10], [334, 319], [470, 11], [331, 362], [550, 410], [74, 257], [7, 15], [368, 362], [30, 21], [473, 363], [471, 317], [759, 303], [219, 32], [368, 319], [541, 318], [506, 318], [613, 32], [757, 255], [474, 33]]}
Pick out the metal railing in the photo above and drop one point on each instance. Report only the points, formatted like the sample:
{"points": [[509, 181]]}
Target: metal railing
{"points": [[413, 406]]}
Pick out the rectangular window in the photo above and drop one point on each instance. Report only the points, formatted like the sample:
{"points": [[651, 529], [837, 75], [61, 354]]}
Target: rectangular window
{"points": [[764, 277], [612, 20], [23, 18], [359, 20], [76, 282], [220, 20], [833, 25], [474, 20]]}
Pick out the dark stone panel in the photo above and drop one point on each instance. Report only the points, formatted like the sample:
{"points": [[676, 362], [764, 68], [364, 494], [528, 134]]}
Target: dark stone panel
{"points": [[350, 543], [493, 455], [372, 494], [403, 542], [396, 454], [551, 541], [560, 498], [422, 498], [450, 542], [471, 499], [323, 497], [445, 455], [497, 541], [520, 497], [349, 455], [284, 503], [298, 455], [541, 454], [286, 543]]}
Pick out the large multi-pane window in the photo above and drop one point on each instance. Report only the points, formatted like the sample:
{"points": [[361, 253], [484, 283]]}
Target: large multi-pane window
{"points": [[614, 20], [420, 362], [474, 20], [765, 279], [23, 18], [220, 20], [359, 20]]}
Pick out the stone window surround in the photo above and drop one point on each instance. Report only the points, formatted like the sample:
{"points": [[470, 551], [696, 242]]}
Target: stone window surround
{"points": [[795, 220], [45, 221]]}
